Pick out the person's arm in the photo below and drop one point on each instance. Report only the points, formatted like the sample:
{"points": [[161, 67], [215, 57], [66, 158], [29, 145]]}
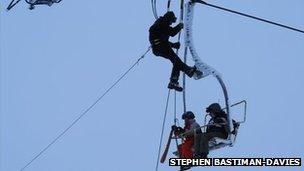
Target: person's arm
{"points": [[174, 30], [175, 45], [177, 130], [195, 127]]}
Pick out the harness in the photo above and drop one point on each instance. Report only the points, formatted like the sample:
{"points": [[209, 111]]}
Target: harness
{"points": [[155, 42]]}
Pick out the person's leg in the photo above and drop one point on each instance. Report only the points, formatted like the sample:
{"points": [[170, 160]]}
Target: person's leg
{"points": [[178, 64], [174, 84], [204, 141], [165, 51], [175, 74], [197, 145]]}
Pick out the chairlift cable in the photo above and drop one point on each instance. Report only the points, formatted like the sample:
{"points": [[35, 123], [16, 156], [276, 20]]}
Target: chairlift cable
{"points": [[85, 112], [250, 16]]}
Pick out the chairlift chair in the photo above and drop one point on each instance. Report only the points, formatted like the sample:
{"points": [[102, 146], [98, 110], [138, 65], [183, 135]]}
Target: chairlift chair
{"points": [[217, 143]]}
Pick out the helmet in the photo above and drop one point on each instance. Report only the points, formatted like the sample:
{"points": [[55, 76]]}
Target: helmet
{"points": [[213, 108], [188, 115], [170, 16]]}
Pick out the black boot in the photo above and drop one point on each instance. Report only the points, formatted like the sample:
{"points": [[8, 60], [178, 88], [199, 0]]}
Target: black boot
{"points": [[198, 73], [191, 71], [201, 156], [182, 168], [174, 85]]}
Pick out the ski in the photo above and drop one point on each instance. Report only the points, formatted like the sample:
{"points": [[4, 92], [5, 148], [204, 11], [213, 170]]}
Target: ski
{"points": [[164, 156]]}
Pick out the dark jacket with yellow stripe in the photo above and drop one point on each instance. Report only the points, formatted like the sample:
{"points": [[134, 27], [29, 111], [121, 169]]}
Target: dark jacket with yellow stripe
{"points": [[161, 30]]}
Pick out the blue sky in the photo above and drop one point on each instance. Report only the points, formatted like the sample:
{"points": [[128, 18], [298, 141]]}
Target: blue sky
{"points": [[56, 61]]}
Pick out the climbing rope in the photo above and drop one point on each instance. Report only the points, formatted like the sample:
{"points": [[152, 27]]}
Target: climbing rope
{"points": [[85, 112], [175, 97], [175, 113], [162, 130], [249, 16], [184, 81], [12, 4], [181, 17], [154, 10], [168, 5]]}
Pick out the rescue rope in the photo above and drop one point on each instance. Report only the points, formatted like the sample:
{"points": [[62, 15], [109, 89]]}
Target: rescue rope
{"points": [[181, 17], [12, 4], [184, 81], [175, 118], [154, 10], [249, 16], [85, 112], [162, 130], [168, 5]]}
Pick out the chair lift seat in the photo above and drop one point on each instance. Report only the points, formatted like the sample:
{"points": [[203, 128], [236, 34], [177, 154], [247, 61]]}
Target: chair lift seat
{"points": [[217, 143]]}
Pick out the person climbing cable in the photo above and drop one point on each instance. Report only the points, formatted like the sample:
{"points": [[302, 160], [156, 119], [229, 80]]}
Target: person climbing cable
{"points": [[159, 34]]}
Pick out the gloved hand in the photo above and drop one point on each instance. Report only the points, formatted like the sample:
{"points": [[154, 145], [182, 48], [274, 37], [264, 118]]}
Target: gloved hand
{"points": [[174, 127], [181, 25], [175, 45], [180, 129]]}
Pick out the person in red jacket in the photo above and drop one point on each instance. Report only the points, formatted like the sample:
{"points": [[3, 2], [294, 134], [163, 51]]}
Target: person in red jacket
{"points": [[186, 149]]}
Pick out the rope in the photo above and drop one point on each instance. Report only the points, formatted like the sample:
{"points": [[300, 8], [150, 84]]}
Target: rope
{"points": [[181, 17], [184, 81], [85, 112], [176, 121], [168, 5], [250, 16], [162, 131], [185, 61], [12, 4], [153, 4]]}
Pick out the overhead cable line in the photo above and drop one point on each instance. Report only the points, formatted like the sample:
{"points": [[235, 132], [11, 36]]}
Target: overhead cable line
{"points": [[85, 112], [249, 16]]}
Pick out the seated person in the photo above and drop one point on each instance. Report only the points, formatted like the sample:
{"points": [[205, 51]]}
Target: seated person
{"points": [[187, 147], [217, 127]]}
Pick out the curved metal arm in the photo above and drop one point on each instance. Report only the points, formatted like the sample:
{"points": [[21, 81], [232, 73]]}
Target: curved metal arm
{"points": [[203, 67]]}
